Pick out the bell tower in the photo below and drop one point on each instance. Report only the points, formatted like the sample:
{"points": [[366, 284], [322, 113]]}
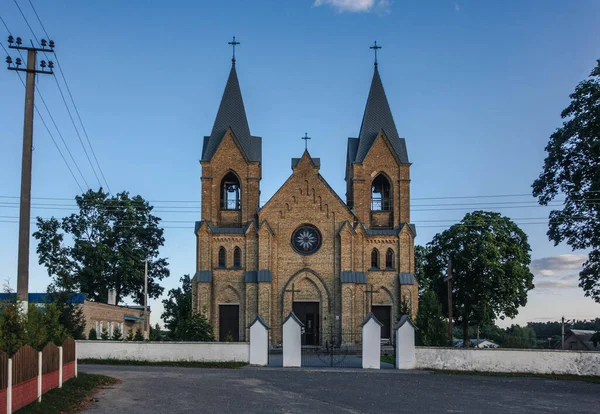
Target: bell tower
{"points": [[231, 162], [377, 166]]}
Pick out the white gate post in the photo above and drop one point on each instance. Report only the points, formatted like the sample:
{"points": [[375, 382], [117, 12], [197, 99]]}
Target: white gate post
{"points": [[405, 343], [75, 358], [60, 366], [292, 341], [259, 342], [371, 342], [39, 377], [9, 388]]}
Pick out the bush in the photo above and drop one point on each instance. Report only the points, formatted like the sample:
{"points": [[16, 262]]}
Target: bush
{"points": [[433, 329], [12, 327], [196, 328], [117, 335], [138, 335], [104, 334], [130, 335], [93, 336]]}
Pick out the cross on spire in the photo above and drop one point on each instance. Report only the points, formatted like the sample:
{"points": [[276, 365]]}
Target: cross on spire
{"points": [[293, 290], [233, 43], [375, 47], [306, 138]]}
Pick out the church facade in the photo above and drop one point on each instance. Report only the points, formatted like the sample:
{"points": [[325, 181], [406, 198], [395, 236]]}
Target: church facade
{"points": [[330, 261]]}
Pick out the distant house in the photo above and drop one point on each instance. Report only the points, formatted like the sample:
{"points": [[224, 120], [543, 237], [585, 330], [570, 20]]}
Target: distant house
{"points": [[100, 316], [481, 343], [580, 340]]}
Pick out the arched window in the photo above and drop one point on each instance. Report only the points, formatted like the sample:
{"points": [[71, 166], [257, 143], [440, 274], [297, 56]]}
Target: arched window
{"points": [[381, 194], [230, 192], [389, 259], [375, 259], [222, 257], [237, 257]]}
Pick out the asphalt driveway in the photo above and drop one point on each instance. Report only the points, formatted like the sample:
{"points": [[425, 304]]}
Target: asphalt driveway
{"points": [[175, 390]]}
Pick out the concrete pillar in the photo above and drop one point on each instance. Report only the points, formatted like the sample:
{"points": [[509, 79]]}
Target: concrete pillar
{"points": [[292, 341], [405, 343], [40, 363], [371, 342], [9, 388], [60, 367], [259, 342]]}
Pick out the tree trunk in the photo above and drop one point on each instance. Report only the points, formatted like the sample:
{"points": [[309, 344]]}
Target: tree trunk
{"points": [[466, 338]]}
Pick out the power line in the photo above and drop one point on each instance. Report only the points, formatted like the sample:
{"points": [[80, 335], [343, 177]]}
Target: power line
{"points": [[72, 99], [4, 23], [46, 126], [63, 98]]}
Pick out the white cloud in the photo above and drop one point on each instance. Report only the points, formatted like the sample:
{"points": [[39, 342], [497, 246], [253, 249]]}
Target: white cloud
{"points": [[356, 6], [555, 273], [557, 266]]}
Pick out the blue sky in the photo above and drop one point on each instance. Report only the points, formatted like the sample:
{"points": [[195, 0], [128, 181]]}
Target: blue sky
{"points": [[476, 88]]}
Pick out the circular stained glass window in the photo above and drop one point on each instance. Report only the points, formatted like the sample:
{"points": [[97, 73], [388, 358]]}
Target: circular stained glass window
{"points": [[306, 239]]}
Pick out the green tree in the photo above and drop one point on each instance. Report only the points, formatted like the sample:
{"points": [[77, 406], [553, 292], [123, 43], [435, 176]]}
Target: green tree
{"points": [[196, 328], [596, 338], [139, 336], [37, 334], [156, 334], [117, 334], [519, 337], [93, 335], [70, 312], [56, 332], [425, 280], [104, 335], [129, 335], [12, 326], [178, 308], [572, 169], [111, 236], [490, 261], [433, 327]]}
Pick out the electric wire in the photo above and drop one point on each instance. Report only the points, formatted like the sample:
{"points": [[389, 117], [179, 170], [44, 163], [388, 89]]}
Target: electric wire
{"points": [[72, 99]]}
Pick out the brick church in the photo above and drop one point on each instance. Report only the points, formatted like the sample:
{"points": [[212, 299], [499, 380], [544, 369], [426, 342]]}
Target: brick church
{"points": [[330, 261]]}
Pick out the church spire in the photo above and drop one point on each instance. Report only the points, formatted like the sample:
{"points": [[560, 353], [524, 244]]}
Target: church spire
{"points": [[232, 114], [378, 117]]}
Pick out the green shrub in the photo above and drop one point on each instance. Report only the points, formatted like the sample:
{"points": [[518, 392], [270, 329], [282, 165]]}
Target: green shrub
{"points": [[93, 335]]}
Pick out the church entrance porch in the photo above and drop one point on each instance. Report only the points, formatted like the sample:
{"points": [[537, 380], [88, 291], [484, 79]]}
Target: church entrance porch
{"points": [[229, 323], [309, 315]]}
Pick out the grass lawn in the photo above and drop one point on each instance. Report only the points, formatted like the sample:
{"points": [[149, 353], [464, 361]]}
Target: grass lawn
{"points": [[72, 397], [185, 364], [389, 359]]}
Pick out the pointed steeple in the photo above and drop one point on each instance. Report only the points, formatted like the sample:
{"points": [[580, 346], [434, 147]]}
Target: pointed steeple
{"points": [[232, 114], [377, 117]]}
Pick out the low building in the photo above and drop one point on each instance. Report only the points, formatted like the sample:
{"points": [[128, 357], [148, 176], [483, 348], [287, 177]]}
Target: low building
{"points": [[99, 316], [580, 340], [476, 343]]}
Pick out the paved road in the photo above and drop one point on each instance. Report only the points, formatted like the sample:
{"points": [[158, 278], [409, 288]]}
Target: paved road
{"points": [[175, 390]]}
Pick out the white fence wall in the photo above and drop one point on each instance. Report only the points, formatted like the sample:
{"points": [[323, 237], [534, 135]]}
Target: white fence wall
{"points": [[510, 360], [165, 351]]}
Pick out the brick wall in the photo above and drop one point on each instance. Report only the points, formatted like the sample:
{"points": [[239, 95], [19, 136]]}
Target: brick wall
{"points": [[102, 312], [24, 393], [49, 381]]}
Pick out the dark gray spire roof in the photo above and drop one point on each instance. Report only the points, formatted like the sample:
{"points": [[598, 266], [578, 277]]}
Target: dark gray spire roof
{"points": [[232, 114], [377, 117]]}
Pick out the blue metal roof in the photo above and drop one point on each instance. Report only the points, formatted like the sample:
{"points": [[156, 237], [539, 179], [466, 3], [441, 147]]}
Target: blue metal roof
{"points": [[133, 318], [203, 276], [255, 276], [42, 297], [406, 278], [353, 277]]}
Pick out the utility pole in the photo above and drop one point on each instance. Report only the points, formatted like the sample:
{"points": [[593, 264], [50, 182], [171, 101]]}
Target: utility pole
{"points": [[562, 336], [146, 321], [26, 164], [448, 280]]}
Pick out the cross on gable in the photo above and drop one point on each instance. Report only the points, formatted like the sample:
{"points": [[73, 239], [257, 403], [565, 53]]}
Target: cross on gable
{"points": [[306, 138], [370, 292]]}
